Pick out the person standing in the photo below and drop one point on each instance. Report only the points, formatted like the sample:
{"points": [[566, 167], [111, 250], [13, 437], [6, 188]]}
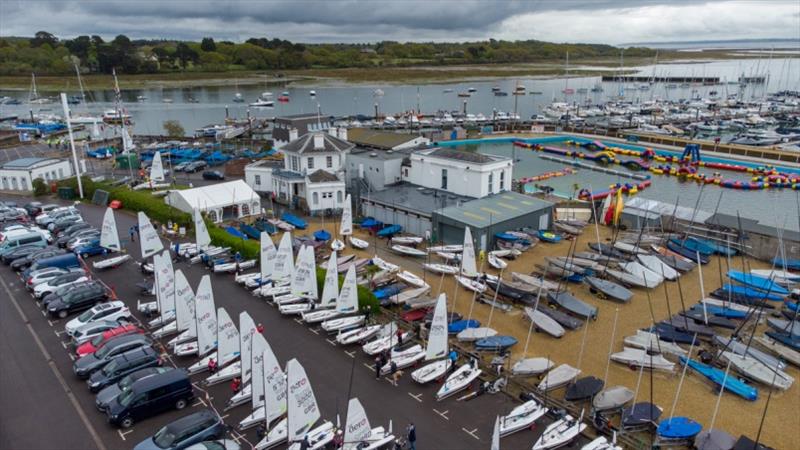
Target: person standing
{"points": [[412, 436], [378, 365], [132, 232]]}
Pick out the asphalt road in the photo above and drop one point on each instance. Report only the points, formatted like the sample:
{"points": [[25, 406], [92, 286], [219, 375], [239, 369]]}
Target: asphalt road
{"points": [[35, 391]]}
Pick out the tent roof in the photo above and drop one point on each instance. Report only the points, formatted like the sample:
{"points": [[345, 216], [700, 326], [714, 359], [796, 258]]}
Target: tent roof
{"points": [[212, 196]]}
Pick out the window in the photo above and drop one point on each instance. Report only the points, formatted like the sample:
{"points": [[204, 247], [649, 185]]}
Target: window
{"points": [[61, 172], [295, 163], [315, 197], [444, 178], [258, 180], [245, 209], [329, 162], [327, 195], [491, 183], [338, 196], [502, 180], [311, 162]]}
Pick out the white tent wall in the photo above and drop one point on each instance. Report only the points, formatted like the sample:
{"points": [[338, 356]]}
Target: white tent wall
{"points": [[231, 200]]}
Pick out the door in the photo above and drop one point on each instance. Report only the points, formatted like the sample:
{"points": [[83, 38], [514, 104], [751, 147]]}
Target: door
{"points": [[544, 221]]}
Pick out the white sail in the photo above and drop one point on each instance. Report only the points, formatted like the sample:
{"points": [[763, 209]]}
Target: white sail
{"points": [[259, 343], [157, 169], [304, 280], [149, 242], [227, 338], [109, 237], [268, 252], [275, 382], [165, 283], [247, 329], [347, 302], [496, 435], [346, 227], [330, 289], [201, 236], [284, 264], [184, 304], [206, 317], [468, 267], [356, 426], [437, 336], [303, 411], [127, 142]]}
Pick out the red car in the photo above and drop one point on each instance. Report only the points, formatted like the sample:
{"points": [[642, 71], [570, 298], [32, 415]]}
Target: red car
{"points": [[100, 340]]}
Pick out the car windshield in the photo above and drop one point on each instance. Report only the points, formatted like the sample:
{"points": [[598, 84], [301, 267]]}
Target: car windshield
{"points": [[86, 316], [97, 340], [125, 397], [164, 438], [103, 351], [110, 368]]}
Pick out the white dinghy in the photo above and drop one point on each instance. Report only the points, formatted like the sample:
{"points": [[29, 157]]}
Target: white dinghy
{"points": [[528, 367], [496, 262], [468, 266], [558, 377], [149, 245], [440, 268], [385, 265], [165, 291], [205, 322], [638, 270], [436, 350], [647, 340], [404, 358], [560, 433], [474, 334], [408, 251], [357, 335], [458, 380], [635, 357], [411, 279], [407, 240], [386, 339], [358, 243], [346, 303], [521, 417], [185, 320], [470, 284], [228, 351], [282, 269], [269, 398], [330, 295], [247, 331], [544, 322], [303, 286], [656, 265], [358, 434], [109, 240]]}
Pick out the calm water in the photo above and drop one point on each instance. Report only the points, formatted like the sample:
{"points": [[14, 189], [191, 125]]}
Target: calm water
{"points": [[770, 207], [346, 99]]}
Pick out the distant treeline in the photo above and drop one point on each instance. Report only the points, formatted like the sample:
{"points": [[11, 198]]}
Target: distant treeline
{"points": [[48, 55]]}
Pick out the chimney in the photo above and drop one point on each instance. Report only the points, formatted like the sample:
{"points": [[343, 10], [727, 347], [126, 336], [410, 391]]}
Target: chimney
{"points": [[292, 134], [343, 133], [319, 141]]}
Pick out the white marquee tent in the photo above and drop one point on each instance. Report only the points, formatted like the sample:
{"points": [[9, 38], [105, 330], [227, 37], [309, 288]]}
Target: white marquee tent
{"points": [[223, 201]]}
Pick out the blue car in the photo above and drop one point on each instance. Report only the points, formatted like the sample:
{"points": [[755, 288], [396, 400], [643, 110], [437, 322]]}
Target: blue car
{"points": [[91, 249], [201, 426]]}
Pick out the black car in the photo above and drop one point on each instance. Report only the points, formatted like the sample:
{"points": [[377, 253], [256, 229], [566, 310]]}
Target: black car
{"points": [[86, 365], [110, 393], [21, 263], [189, 430], [195, 166], [123, 365], [19, 252], [84, 296], [74, 228], [213, 175], [63, 223], [65, 237], [149, 396], [33, 208], [13, 215]]}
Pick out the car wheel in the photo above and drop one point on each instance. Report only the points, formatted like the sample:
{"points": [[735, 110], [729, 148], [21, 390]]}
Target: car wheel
{"points": [[85, 255], [62, 314], [180, 404], [126, 422]]}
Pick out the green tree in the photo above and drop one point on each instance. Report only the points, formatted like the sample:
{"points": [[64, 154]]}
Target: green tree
{"points": [[208, 45], [43, 37], [184, 53], [39, 187], [174, 128]]}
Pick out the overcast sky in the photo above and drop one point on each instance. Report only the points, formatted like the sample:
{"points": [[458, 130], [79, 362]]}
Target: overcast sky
{"points": [[594, 21]]}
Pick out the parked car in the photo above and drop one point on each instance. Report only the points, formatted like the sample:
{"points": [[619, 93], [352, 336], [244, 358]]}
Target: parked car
{"points": [[99, 341], [217, 444], [64, 261], [122, 365], [93, 248], [83, 296], [85, 366], [23, 262], [110, 393], [181, 167], [195, 166], [91, 330], [64, 222], [16, 214], [67, 236], [52, 284], [17, 229], [114, 310], [47, 217], [19, 252], [174, 390], [74, 228], [192, 429], [83, 240], [213, 175], [30, 238], [33, 208], [42, 275]]}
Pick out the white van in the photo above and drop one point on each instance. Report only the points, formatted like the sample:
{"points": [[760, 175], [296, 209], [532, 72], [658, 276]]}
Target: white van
{"points": [[29, 238]]}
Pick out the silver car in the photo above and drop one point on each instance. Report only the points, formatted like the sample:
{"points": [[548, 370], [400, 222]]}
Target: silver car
{"points": [[90, 330]]}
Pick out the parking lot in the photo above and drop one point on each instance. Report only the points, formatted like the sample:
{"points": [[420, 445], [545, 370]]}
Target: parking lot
{"points": [[38, 379]]}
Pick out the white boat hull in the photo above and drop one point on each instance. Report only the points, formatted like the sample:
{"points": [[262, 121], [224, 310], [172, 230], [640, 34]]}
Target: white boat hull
{"points": [[225, 374], [162, 320], [521, 417], [241, 397], [342, 323], [181, 338], [357, 335], [382, 344], [166, 330], [405, 359], [474, 334], [458, 381], [358, 243], [320, 315], [431, 371], [531, 366], [110, 262]]}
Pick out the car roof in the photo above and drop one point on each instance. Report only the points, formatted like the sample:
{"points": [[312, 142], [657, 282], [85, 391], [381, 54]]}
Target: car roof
{"points": [[108, 305], [192, 420], [161, 379], [125, 338]]}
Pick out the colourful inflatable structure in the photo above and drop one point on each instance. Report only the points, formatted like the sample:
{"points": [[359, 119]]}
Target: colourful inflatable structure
{"points": [[547, 175]]}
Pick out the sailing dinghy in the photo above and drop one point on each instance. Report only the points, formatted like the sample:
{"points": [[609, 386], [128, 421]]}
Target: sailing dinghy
{"points": [[543, 322], [436, 350], [528, 367], [521, 417], [359, 435], [269, 386], [346, 303], [634, 357], [607, 289], [407, 251], [228, 352], [109, 239], [404, 358], [386, 339], [205, 322], [658, 266], [440, 268], [612, 398], [560, 433], [458, 381], [247, 330], [357, 335], [558, 377]]}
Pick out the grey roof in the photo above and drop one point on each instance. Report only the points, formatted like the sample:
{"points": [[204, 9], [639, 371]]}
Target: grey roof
{"points": [[414, 198], [305, 144], [494, 209], [378, 138], [654, 209], [304, 116], [463, 155], [289, 174], [322, 176], [730, 221], [28, 163], [385, 155]]}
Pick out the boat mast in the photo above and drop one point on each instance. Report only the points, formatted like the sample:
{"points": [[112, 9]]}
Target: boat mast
{"points": [[680, 383], [80, 84], [611, 345]]}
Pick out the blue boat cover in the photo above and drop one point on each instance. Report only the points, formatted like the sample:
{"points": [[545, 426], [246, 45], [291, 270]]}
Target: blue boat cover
{"points": [[390, 230], [388, 291], [548, 236], [757, 282], [693, 245], [721, 311], [235, 232], [370, 222], [678, 428], [294, 220], [731, 384], [506, 237], [461, 325], [791, 264], [250, 231], [322, 235], [785, 339], [675, 246], [751, 293], [495, 343]]}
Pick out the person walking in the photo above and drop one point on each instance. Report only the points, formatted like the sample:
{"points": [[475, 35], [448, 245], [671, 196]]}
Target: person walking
{"points": [[132, 232], [412, 436], [260, 328], [378, 366], [236, 385], [212, 366]]}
